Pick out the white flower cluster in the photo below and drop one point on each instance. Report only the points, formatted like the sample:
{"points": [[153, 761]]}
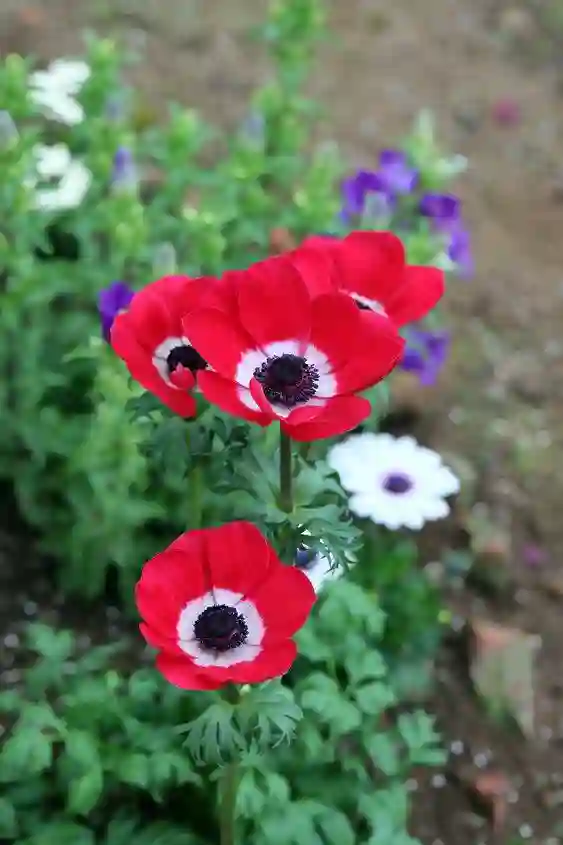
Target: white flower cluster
{"points": [[60, 181], [72, 178], [54, 90]]}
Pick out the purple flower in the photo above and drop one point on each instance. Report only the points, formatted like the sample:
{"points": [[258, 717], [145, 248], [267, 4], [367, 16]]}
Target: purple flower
{"points": [[111, 302], [459, 251], [355, 191], [124, 176], [444, 211], [425, 354], [441, 208], [395, 173]]}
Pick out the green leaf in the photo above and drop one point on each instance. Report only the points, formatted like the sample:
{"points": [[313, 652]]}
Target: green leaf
{"points": [[335, 827], [321, 695], [374, 698], [365, 666], [8, 819], [383, 750], [26, 752], [418, 733], [82, 749], [85, 792], [61, 833], [269, 713], [213, 736], [134, 769]]}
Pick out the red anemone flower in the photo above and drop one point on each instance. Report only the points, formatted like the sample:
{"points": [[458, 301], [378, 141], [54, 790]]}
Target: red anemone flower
{"points": [[279, 353], [371, 268], [150, 339], [221, 608]]}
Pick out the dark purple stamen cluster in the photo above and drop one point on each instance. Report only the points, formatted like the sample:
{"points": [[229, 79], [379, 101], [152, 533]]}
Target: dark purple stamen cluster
{"points": [[220, 628], [397, 482], [185, 356], [287, 379]]}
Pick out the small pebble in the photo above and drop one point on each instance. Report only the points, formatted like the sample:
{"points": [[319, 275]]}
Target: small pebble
{"points": [[457, 747], [412, 785], [512, 797], [11, 641], [30, 608], [12, 676], [525, 831], [482, 759], [438, 781]]}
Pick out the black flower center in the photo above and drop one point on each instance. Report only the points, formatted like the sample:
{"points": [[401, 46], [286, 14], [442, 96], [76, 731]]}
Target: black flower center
{"points": [[397, 482], [220, 628], [287, 379], [187, 357]]}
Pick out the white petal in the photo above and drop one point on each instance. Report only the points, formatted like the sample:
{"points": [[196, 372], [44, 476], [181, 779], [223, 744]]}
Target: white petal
{"points": [[322, 571]]}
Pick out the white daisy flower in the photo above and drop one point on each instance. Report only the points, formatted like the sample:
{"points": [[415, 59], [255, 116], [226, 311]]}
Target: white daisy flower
{"points": [[56, 164], [393, 481], [54, 90]]}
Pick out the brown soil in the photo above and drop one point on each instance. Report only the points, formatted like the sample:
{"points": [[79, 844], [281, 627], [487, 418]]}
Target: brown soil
{"points": [[500, 403]]}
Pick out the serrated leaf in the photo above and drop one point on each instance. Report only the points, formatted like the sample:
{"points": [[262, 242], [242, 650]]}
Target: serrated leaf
{"points": [[62, 833], [134, 769], [383, 750], [213, 736], [365, 665], [321, 695], [270, 713]]}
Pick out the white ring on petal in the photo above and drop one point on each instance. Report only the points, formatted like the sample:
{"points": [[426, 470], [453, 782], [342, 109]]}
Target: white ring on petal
{"points": [[253, 359], [372, 304], [161, 354], [246, 652]]}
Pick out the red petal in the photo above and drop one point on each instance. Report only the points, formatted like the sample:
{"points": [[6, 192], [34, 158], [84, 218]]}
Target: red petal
{"points": [[257, 393], [284, 602], [183, 673], [169, 581], [336, 328], [421, 290], [239, 557], [182, 378], [225, 394], [380, 350], [274, 303], [158, 640], [371, 264], [140, 365], [273, 662], [342, 414], [218, 338], [315, 263]]}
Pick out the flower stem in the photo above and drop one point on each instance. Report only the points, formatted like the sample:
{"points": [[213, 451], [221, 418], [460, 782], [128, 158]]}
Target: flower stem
{"points": [[286, 474], [227, 809]]}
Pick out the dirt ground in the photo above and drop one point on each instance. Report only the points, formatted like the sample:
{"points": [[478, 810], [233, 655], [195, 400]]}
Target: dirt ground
{"points": [[500, 403]]}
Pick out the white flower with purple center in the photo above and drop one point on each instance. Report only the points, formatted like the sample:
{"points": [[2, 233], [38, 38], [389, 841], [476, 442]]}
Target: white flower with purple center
{"points": [[393, 480]]}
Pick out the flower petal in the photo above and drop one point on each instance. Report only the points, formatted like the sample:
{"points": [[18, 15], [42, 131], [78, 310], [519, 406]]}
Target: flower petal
{"points": [[380, 348], [342, 414], [182, 673], [231, 398], [272, 662], [239, 557], [141, 367], [371, 264], [284, 600], [274, 303], [421, 290], [169, 581], [218, 338], [314, 260]]}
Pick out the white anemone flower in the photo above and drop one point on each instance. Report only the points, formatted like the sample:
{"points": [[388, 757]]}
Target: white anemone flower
{"points": [[72, 178], [393, 480], [54, 90]]}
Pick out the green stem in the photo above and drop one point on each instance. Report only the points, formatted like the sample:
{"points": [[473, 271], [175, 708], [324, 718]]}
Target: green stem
{"points": [[227, 810], [286, 474], [196, 496]]}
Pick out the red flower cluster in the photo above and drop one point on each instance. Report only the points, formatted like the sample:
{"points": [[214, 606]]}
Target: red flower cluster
{"points": [[221, 608], [294, 338]]}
